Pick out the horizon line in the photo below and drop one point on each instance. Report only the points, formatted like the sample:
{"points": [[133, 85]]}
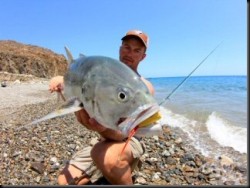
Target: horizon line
{"points": [[231, 75]]}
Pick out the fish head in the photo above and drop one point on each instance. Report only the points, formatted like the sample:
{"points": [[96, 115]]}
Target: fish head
{"points": [[116, 103]]}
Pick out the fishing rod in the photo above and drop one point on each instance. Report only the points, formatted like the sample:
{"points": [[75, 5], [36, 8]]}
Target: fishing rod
{"points": [[156, 116], [166, 98]]}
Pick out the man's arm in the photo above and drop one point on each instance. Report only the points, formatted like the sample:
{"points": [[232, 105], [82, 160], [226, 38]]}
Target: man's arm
{"points": [[107, 133], [149, 86], [92, 124]]}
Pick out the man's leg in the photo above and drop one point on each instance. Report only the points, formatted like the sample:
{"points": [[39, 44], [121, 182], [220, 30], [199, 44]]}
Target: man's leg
{"points": [[72, 175], [80, 169], [105, 155]]}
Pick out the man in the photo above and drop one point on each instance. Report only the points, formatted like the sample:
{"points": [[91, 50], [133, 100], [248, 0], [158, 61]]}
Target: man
{"points": [[91, 163]]}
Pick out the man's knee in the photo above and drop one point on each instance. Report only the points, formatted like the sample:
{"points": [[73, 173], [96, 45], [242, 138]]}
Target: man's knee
{"points": [[97, 152], [106, 157]]}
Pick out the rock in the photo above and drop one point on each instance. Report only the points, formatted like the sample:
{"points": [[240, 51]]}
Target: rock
{"points": [[55, 166], [229, 183], [225, 161], [37, 166], [170, 160], [206, 170], [187, 168], [156, 176], [156, 138], [4, 83], [178, 141], [46, 179], [187, 157], [154, 159], [141, 181], [191, 163], [166, 153], [198, 161], [17, 82], [93, 141], [241, 169], [201, 177], [214, 176], [37, 179], [16, 153], [72, 146], [53, 160]]}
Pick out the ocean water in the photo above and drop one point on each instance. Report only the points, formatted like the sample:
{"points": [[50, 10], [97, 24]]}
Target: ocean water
{"points": [[212, 110]]}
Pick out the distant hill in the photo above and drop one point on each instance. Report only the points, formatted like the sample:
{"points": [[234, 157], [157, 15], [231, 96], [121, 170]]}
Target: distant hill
{"points": [[27, 59]]}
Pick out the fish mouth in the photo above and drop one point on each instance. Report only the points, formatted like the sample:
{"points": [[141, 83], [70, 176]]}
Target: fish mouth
{"points": [[138, 117]]}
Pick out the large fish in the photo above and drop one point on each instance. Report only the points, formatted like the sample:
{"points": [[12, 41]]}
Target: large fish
{"points": [[111, 93]]}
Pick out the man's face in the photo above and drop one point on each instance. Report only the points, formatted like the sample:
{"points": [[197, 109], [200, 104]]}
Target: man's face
{"points": [[132, 51]]}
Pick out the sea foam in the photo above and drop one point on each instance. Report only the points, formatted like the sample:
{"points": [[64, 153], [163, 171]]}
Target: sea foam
{"points": [[225, 134]]}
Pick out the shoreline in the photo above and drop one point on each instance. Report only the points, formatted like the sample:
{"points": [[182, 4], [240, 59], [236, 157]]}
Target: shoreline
{"points": [[35, 156]]}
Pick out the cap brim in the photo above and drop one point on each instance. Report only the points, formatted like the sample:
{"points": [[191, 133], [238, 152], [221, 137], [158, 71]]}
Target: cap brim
{"points": [[135, 36]]}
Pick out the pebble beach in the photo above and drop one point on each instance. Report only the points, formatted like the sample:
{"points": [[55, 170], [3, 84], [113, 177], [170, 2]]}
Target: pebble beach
{"points": [[35, 155]]}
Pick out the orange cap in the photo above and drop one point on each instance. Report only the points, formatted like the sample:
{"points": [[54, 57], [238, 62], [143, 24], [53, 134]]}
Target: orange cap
{"points": [[144, 38]]}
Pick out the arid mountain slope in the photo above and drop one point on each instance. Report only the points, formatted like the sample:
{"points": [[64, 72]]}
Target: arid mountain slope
{"points": [[27, 59]]}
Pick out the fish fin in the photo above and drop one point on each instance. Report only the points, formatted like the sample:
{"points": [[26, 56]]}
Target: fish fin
{"points": [[69, 55], [71, 105]]}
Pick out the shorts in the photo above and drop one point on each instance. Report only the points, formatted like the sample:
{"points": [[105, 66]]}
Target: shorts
{"points": [[83, 161]]}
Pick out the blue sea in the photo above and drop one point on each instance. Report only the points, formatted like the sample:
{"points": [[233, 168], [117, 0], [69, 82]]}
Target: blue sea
{"points": [[212, 110]]}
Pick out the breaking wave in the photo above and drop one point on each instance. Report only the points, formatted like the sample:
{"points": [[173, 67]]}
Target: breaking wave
{"points": [[226, 134], [206, 136]]}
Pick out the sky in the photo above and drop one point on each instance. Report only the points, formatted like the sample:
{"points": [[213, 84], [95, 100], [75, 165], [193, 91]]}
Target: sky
{"points": [[181, 32]]}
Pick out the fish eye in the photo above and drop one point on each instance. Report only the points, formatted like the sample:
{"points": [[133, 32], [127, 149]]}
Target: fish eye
{"points": [[122, 95]]}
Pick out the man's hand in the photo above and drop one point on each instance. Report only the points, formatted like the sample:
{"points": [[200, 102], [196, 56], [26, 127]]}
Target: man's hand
{"points": [[92, 124], [89, 123], [56, 84]]}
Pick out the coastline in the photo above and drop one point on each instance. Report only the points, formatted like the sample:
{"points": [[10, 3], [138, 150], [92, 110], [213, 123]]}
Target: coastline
{"points": [[36, 155]]}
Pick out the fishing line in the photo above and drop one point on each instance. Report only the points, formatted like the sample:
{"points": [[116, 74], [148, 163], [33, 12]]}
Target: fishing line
{"points": [[62, 96], [166, 98]]}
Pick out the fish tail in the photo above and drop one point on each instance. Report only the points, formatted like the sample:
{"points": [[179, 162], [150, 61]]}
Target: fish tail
{"points": [[131, 134]]}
